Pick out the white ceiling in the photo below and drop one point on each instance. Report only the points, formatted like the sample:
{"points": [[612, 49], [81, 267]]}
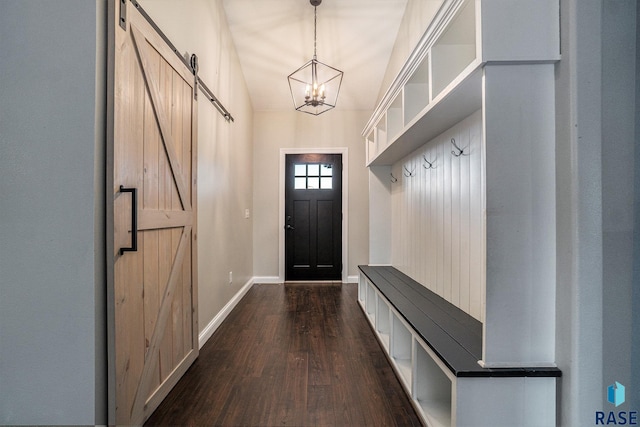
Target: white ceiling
{"points": [[273, 38]]}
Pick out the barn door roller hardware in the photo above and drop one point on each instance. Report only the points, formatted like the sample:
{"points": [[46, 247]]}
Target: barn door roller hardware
{"points": [[190, 62], [193, 62]]}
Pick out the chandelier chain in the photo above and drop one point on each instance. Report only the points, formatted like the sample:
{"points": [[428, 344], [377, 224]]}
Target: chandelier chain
{"points": [[315, 29]]}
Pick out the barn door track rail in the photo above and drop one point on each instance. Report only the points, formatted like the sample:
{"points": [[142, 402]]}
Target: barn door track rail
{"points": [[190, 62]]}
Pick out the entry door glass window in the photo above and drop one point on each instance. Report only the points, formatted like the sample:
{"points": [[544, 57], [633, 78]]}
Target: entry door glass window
{"points": [[313, 176]]}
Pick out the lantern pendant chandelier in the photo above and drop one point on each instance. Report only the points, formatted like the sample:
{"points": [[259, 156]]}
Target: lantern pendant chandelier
{"points": [[315, 86]]}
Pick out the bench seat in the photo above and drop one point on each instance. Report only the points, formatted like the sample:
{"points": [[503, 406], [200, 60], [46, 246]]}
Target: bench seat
{"points": [[453, 335]]}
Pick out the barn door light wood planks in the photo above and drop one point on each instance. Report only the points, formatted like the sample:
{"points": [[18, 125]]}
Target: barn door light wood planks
{"points": [[153, 331]]}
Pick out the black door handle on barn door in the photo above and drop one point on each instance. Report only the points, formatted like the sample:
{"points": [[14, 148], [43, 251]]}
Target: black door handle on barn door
{"points": [[134, 219]]}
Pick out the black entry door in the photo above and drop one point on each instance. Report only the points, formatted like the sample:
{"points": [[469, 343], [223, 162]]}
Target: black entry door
{"points": [[313, 217]]}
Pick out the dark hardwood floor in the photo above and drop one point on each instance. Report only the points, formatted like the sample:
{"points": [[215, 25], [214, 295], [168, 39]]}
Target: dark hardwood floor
{"points": [[290, 355]]}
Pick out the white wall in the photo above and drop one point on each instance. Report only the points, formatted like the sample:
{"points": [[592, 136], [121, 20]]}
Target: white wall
{"points": [[225, 150], [596, 135], [437, 217], [417, 16], [52, 308], [618, 145], [635, 292], [274, 130]]}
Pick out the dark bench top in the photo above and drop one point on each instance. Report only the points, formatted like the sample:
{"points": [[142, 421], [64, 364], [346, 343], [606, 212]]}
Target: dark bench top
{"points": [[452, 334]]}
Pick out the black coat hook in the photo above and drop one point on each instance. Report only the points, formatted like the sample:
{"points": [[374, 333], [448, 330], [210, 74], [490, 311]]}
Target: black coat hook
{"points": [[409, 173], [460, 151], [430, 163], [393, 178]]}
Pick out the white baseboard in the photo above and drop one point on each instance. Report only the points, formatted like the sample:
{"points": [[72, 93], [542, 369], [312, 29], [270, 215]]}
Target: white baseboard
{"points": [[268, 280], [215, 323], [271, 280]]}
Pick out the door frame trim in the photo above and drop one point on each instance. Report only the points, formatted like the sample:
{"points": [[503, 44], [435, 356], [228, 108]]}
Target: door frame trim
{"points": [[344, 151]]}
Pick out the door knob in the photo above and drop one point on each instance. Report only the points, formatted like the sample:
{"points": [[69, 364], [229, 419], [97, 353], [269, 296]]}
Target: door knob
{"points": [[289, 227]]}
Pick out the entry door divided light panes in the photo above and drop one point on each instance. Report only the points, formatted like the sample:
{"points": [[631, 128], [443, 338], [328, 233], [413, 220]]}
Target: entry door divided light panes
{"points": [[313, 176]]}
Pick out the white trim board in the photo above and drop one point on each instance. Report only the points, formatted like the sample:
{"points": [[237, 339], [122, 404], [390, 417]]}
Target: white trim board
{"points": [[275, 280], [217, 320], [345, 204], [268, 280]]}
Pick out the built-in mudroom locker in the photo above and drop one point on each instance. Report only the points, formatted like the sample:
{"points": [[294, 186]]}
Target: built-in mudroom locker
{"points": [[460, 286]]}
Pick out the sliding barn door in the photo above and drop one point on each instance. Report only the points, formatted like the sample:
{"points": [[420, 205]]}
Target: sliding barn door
{"points": [[152, 217]]}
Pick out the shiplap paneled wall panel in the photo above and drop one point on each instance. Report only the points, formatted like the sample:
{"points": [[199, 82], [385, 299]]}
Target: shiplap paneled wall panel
{"points": [[437, 213]]}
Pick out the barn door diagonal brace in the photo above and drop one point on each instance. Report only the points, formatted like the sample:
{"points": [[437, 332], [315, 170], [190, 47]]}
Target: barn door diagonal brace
{"points": [[186, 60], [123, 14]]}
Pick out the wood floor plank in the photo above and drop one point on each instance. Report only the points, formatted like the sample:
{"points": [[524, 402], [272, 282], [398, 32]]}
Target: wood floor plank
{"points": [[295, 355]]}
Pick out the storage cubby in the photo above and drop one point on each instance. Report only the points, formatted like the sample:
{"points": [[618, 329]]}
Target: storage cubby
{"points": [[371, 303], [372, 148], [395, 122], [432, 388], [401, 347], [383, 323], [416, 91], [437, 363], [362, 290], [381, 133], [455, 49], [441, 82]]}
